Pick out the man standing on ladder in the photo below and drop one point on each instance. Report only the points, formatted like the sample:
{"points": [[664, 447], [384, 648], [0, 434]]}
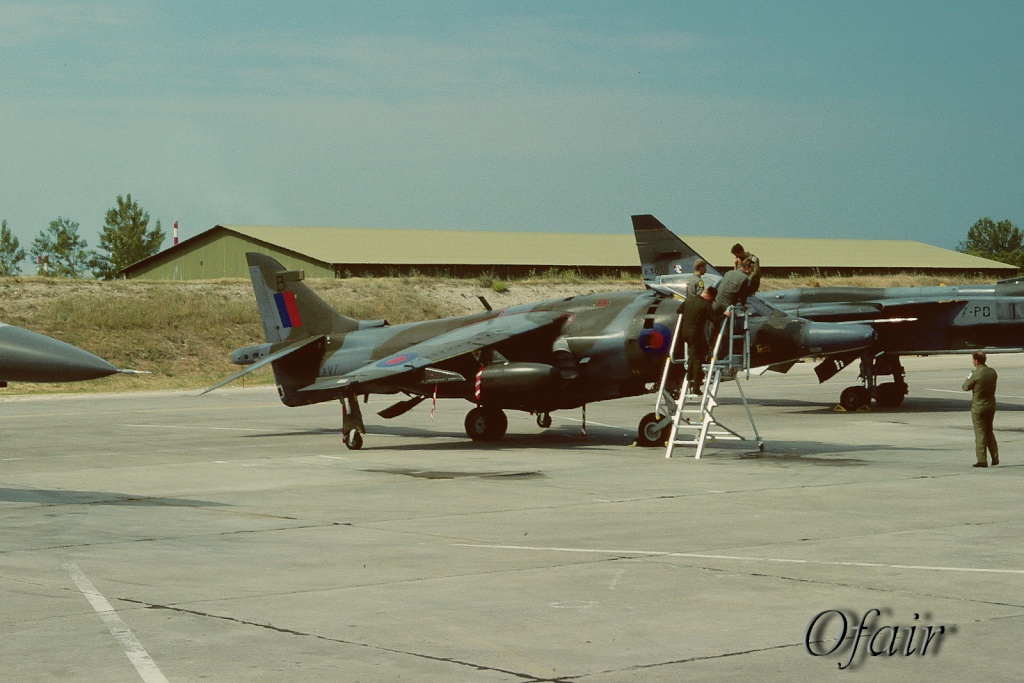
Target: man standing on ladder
{"points": [[734, 288], [695, 285], [740, 255], [696, 319]]}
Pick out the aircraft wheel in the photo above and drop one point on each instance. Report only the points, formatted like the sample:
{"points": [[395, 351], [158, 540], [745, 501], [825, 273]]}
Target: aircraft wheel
{"points": [[648, 434], [486, 424], [543, 420], [353, 440], [854, 398], [890, 395]]}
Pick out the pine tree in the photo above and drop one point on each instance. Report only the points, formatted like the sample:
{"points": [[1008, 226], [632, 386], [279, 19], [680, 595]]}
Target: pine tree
{"points": [[11, 253], [126, 237], [62, 249]]}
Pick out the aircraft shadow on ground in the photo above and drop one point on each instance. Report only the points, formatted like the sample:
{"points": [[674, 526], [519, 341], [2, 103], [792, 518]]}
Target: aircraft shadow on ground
{"points": [[567, 438], [56, 497], [791, 452], [911, 406]]}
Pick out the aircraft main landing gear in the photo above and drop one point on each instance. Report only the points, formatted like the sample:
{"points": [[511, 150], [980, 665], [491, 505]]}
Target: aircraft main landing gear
{"points": [[887, 394], [854, 398], [486, 424]]}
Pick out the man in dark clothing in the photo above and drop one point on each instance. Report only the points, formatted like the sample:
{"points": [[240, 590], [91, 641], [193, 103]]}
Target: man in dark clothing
{"points": [[982, 382], [734, 288], [696, 317]]}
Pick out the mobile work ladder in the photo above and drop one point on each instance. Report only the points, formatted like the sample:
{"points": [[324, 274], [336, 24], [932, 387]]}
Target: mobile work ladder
{"points": [[693, 413]]}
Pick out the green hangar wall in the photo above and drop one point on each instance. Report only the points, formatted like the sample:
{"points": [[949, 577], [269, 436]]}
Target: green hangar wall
{"points": [[220, 253]]}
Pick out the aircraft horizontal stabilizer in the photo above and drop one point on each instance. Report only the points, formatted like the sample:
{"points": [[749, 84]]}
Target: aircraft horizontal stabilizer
{"points": [[277, 355]]}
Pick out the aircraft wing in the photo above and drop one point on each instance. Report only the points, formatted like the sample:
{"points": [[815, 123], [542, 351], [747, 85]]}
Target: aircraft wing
{"points": [[451, 344], [880, 310]]}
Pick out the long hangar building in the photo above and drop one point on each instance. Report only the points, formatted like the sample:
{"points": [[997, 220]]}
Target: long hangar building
{"points": [[345, 252]]}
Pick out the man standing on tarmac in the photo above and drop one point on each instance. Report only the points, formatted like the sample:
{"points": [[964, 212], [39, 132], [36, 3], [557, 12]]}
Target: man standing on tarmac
{"points": [[982, 382]]}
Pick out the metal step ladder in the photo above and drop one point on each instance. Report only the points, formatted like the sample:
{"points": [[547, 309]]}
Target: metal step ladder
{"points": [[693, 414]]}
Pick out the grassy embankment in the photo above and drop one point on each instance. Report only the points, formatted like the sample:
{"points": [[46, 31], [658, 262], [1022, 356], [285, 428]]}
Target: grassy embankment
{"points": [[182, 332]]}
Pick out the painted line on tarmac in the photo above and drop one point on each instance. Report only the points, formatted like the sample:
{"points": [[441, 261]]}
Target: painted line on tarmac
{"points": [[137, 654], [590, 422], [742, 558], [186, 427], [968, 396]]}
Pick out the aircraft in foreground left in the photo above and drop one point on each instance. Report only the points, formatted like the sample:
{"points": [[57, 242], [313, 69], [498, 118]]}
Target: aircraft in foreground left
{"points": [[551, 355], [27, 356]]}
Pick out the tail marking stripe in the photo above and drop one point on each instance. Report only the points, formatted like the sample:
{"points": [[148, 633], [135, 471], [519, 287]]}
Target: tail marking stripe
{"points": [[287, 309]]}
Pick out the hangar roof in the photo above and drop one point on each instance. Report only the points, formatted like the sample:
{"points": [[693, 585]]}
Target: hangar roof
{"points": [[219, 252], [456, 247]]}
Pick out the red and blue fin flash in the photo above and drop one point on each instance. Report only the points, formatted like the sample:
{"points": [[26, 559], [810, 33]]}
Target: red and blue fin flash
{"points": [[287, 309]]}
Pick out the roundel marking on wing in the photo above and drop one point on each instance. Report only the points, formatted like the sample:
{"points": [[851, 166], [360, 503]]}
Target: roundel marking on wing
{"points": [[396, 360]]}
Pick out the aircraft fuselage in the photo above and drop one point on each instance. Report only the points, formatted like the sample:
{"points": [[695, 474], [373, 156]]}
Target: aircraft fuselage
{"points": [[919, 320], [607, 345]]}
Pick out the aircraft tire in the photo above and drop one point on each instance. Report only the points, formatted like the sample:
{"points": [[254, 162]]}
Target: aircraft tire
{"points": [[486, 424], [648, 435], [543, 420], [890, 395], [353, 440], [854, 398]]}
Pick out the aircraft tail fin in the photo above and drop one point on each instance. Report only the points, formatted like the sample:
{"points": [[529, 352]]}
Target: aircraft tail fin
{"points": [[289, 310], [662, 253]]}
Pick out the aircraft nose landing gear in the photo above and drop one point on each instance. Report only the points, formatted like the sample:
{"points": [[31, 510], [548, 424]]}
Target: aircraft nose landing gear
{"points": [[653, 430]]}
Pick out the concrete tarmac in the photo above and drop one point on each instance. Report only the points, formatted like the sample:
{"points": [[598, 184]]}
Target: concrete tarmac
{"points": [[164, 536]]}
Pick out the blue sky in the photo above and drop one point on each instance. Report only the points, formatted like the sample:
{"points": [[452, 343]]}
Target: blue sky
{"points": [[877, 120]]}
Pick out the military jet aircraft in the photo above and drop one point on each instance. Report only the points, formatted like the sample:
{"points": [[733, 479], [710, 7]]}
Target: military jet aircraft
{"points": [[540, 357], [27, 356], [917, 321]]}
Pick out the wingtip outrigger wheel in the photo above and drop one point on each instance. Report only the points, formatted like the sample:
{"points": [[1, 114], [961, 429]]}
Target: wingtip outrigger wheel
{"points": [[353, 440]]}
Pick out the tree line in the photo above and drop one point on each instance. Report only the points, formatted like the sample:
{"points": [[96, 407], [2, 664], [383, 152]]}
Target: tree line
{"points": [[59, 251]]}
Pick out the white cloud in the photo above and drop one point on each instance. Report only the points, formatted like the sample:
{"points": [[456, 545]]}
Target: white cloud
{"points": [[25, 24]]}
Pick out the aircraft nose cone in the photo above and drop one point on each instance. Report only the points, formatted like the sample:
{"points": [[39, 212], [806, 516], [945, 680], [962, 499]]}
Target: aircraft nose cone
{"points": [[27, 356], [828, 338]]}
